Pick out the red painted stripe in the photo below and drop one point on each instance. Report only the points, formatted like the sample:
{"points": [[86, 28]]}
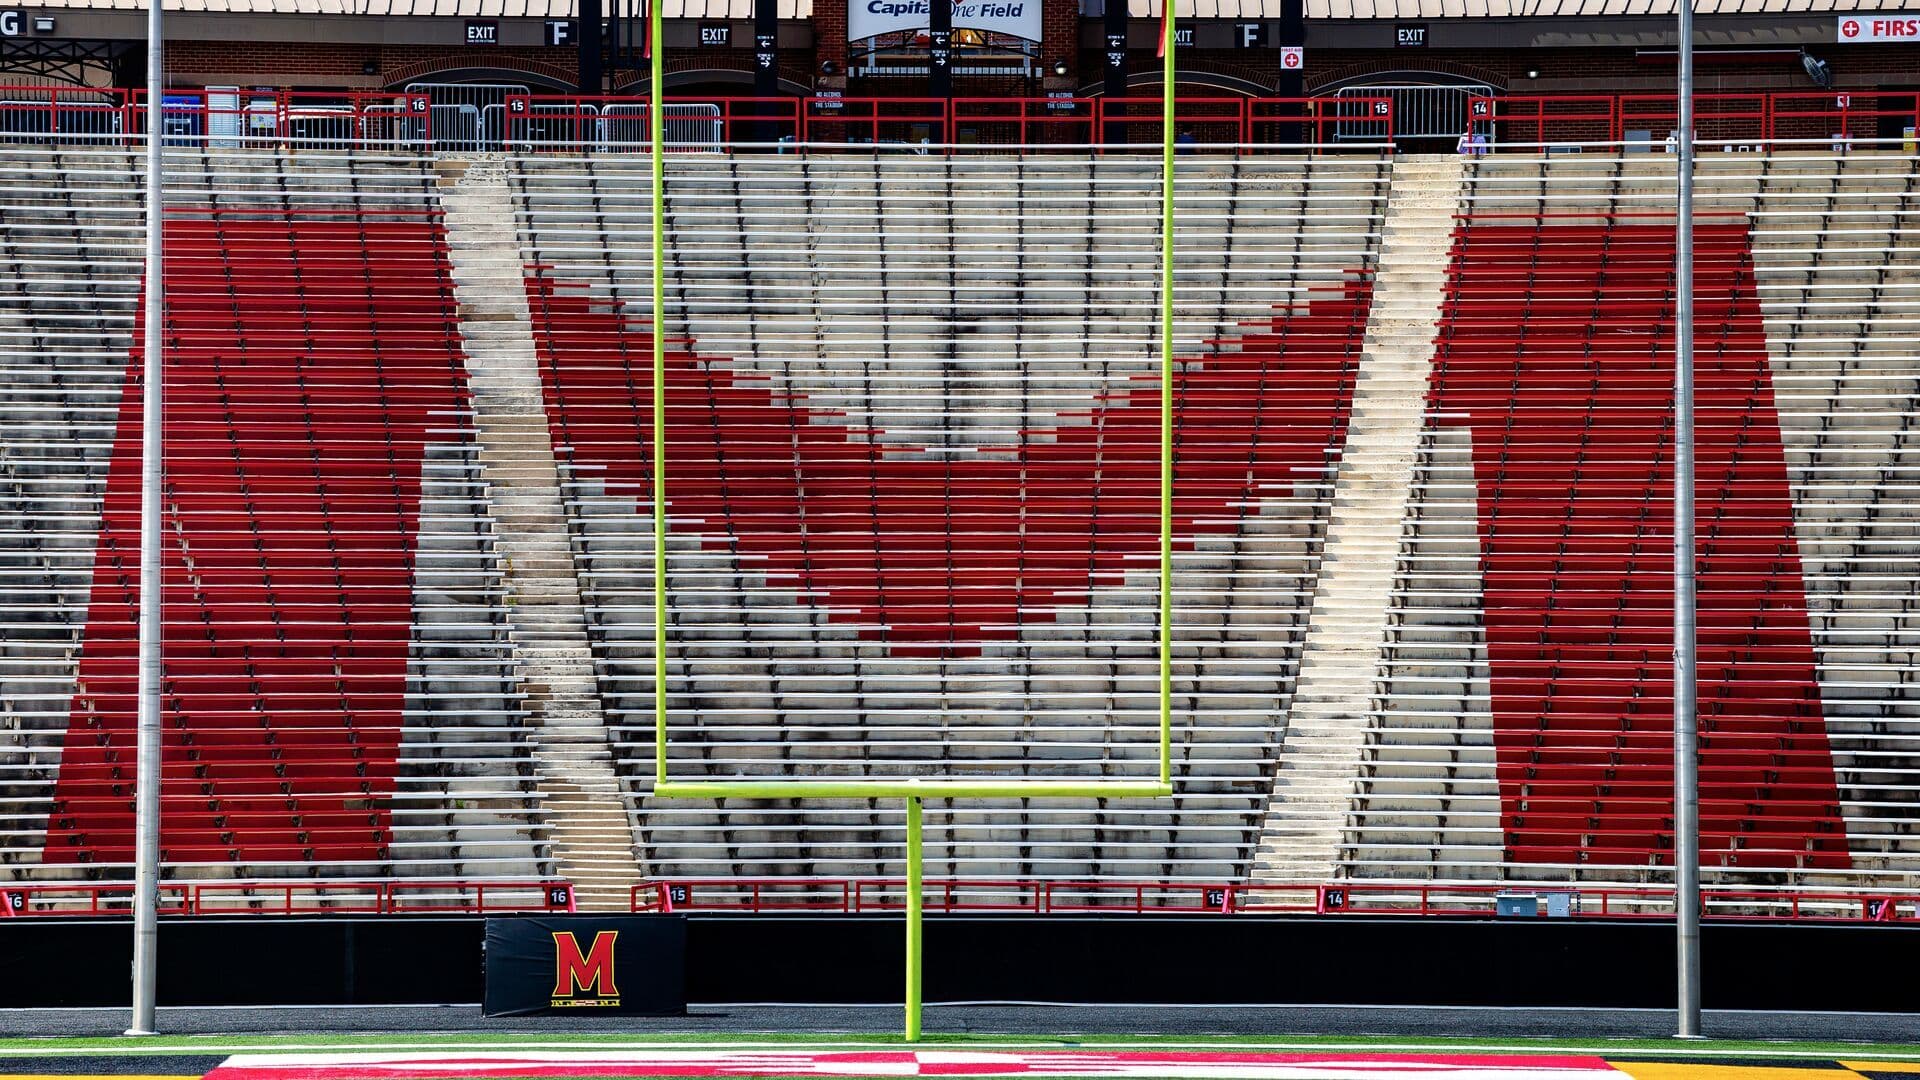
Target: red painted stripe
{"points": [[1556, 345], [310, 362]]}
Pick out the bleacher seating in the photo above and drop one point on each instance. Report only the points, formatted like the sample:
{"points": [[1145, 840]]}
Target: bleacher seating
{"points": [[1525, 722], [911, 464], [852, 599], [339, 691], [71, 253]]}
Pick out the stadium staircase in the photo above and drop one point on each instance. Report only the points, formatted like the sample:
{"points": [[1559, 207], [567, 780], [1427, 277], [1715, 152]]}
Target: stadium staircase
{"points": [[1302, 837], [586, 821]]}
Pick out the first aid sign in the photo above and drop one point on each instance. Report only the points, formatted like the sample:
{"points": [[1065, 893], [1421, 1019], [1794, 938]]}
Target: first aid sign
{"points": [[1874, 28]]}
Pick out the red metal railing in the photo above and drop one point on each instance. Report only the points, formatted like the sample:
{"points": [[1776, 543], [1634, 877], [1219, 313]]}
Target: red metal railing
{"points": [[339, 120], [574, 124], [860, 895], [578, 124], [1752, 120], [306, 896]]}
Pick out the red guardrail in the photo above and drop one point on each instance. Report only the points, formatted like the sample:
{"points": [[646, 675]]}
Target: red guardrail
{"points": [[396, 896], [860, 895], [574, 124], [1750, 120]]}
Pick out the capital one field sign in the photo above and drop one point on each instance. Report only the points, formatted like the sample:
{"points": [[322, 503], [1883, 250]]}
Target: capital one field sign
{"points": [[1019, 18]]}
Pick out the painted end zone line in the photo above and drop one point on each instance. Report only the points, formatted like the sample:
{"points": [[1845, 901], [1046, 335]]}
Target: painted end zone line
{"points": [[1176, 1065]]}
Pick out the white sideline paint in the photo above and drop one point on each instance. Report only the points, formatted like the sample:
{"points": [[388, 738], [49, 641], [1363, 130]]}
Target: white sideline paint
{"points": [[879, 1061]]}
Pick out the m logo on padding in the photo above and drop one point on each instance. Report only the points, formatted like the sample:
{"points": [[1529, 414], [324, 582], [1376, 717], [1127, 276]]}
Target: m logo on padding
{"points": [[584, 979]]}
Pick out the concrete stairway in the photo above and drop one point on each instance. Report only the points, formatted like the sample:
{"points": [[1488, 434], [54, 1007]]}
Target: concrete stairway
{"points": [[588, 828], [1327, 728]]}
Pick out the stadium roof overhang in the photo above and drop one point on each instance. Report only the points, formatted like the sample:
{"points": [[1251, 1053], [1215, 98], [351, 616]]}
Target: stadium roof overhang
{"points": [[1357, 24], [1328, 11]]}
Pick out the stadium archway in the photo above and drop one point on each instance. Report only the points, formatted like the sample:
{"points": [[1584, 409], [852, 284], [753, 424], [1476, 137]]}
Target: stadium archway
{"points": [[1202, 83], [707, 82]]}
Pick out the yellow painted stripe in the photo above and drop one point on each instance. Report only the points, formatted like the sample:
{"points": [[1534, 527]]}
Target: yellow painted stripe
{"points": [[1904, 1068], [1682, 1070]]}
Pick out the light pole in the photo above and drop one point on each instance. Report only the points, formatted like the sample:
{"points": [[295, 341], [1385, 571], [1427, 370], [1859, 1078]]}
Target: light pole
{"points": [[146, 870], [1686, 775]]}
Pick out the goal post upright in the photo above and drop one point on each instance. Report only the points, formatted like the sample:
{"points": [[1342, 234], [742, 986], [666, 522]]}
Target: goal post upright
{"points": [[913, 790]]}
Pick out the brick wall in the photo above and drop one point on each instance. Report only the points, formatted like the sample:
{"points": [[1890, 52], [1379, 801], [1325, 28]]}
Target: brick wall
{"points": [[830, 34], [1559, 71], [304, 64], [1060, 38]]}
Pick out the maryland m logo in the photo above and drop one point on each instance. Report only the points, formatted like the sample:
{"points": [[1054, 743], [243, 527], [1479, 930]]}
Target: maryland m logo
{"points": [[584, 979]]}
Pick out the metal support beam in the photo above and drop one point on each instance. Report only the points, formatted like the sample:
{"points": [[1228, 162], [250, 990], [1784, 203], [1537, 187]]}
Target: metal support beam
{"points": [[1114, 65], [593, 48], [1686, 777], [940, 49], [766, 49], [1292, 82], [146, 842]]}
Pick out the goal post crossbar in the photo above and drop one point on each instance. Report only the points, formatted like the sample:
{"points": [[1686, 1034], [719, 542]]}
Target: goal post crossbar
{"points": [[928, 788]]}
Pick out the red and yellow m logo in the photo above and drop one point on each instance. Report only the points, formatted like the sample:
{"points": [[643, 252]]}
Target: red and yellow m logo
{"points": [[592, 973]]}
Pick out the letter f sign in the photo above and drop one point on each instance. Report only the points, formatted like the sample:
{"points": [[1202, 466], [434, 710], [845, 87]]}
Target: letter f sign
{"points": [[589, 974]]}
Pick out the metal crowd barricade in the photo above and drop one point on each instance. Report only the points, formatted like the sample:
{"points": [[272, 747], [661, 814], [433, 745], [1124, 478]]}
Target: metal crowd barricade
{"points": [[685, 126], [222, 119], [1418, 111], [467, 116], [70, 113], [582, 125]]}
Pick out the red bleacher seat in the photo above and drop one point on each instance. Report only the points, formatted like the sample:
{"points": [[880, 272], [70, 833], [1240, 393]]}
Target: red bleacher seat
{"points": [[945, 556], [1555, 351], [311, 356]]}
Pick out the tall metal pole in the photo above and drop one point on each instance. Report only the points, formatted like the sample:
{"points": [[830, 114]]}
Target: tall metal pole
{"points": [[146, 873], [1686, 778], [1169, 112]]}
